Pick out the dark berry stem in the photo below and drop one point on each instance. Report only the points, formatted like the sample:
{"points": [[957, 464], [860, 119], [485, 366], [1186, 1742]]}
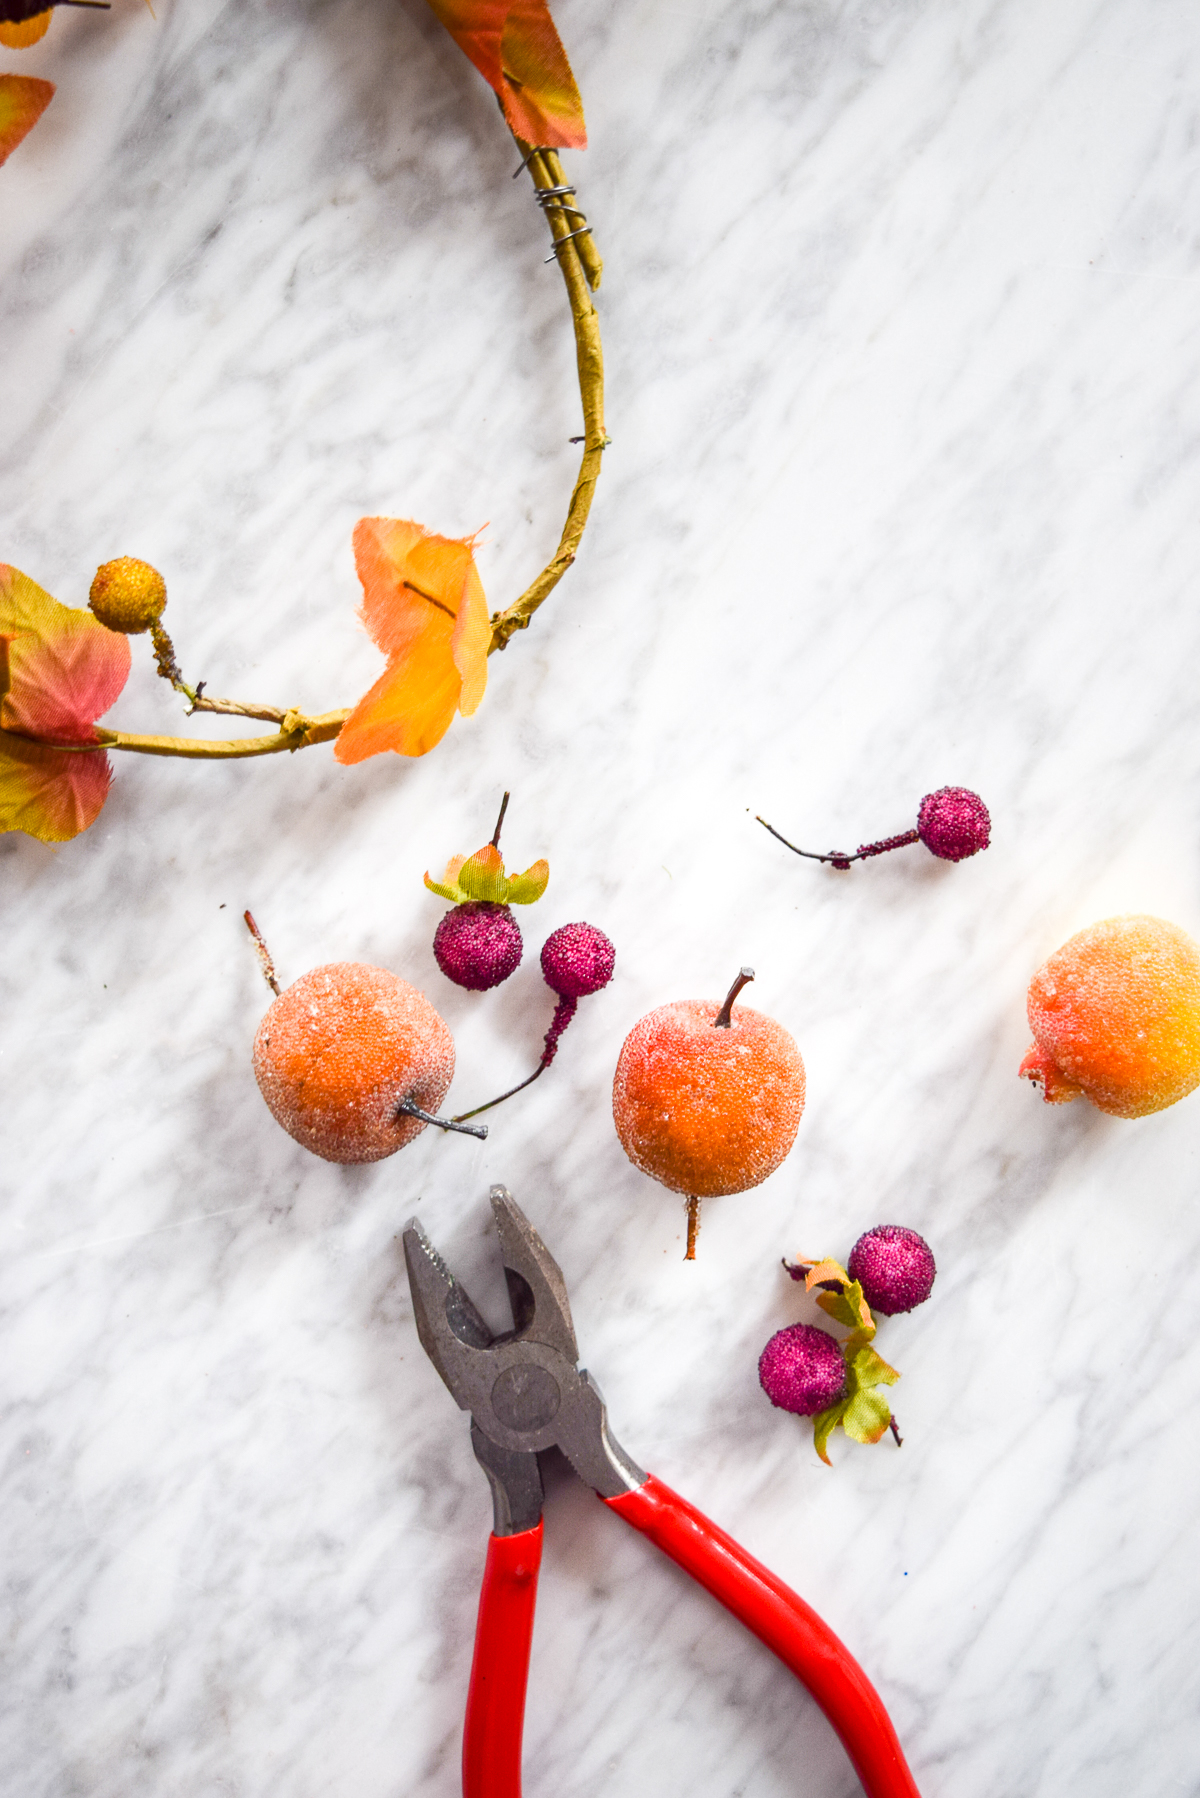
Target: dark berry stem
{"points": [[895, 1432], [564, 1011], [725, 1015], [499, 822], [263, 953], [693, 1226], [836, 857], [413, 1110]]}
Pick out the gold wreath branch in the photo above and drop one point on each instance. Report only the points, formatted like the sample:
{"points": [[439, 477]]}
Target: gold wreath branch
{"points": [[581, 267]]}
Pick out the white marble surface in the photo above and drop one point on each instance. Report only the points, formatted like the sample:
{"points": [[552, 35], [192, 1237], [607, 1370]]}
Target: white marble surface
{"points": [[904, 392]]}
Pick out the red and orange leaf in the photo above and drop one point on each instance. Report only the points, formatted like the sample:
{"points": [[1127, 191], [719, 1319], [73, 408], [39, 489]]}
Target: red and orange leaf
{"points": [[23, 100], [59, 670], [424, 607], [515, 47]]}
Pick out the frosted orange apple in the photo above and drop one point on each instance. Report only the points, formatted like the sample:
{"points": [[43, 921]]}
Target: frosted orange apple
{"points": [[707, 1099], [1115, 1015], [342, 1050]]}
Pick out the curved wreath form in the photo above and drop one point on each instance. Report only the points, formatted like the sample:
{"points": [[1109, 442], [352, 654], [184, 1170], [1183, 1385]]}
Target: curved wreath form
{"points": [[61, 668]]}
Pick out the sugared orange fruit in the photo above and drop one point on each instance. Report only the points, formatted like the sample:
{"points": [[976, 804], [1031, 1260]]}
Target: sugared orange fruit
{"points": [[339, 1052], [1115, 1015], [707, 1108]]}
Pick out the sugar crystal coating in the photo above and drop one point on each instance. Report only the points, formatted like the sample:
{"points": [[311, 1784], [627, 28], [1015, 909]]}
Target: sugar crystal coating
{"points": [[953, 823], [1115, 1015], [894, 1267], [577, 959], [478, 945], [338, 1051], [707, 1110], [802, 1370]]}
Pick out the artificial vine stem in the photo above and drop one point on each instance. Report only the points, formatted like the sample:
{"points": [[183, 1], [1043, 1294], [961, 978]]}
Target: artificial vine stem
{"points": [[580, 265]]}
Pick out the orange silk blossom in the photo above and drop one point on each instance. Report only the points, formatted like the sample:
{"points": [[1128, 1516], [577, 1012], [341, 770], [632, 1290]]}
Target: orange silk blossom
{"points": [[515, 47], [23, 100], [423, 606], [59, 670]]}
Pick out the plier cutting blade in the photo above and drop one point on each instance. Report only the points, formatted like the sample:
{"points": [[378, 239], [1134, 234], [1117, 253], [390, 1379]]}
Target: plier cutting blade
{"points": [[526, 1393]]}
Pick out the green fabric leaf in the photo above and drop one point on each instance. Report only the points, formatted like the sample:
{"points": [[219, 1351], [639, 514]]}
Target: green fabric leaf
{"points": [[824, 1425], [444, 892], [848, 1307], [523, 889], [866, 1368], [867, 1416], [482, 876]]}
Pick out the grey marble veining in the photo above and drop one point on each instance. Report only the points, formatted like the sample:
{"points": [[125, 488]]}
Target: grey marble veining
{"points": [[904, 393]]}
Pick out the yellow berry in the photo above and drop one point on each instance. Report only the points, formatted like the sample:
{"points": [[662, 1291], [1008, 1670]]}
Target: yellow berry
{"points": [[128, 595]]}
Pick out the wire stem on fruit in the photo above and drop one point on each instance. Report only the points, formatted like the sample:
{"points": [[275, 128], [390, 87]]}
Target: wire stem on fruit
{"points": [[693, 1226], [264, 954], [413, 1110], [724, 1016]]}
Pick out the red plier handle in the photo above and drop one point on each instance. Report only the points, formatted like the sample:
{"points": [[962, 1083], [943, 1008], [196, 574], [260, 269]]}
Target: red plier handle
{"points": [[774, 1613]]}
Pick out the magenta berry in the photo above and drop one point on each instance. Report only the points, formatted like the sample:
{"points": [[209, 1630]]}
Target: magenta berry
{"points": [[478, 945], [953, 823], [802, 1370], [577, 959], [894, 1267]]}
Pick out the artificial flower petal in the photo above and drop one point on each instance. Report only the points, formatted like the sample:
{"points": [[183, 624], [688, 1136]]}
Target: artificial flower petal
{"points": [[59, 670], [23, 100], [517, 50], [424, 607]]}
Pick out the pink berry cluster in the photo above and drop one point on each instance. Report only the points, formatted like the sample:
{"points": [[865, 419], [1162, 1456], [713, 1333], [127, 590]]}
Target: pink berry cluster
{"points": [[805, 1370], [478, 944]]}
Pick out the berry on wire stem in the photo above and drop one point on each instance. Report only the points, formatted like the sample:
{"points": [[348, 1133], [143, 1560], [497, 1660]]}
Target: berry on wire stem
{"points": [[953, 823], [577, 959]]}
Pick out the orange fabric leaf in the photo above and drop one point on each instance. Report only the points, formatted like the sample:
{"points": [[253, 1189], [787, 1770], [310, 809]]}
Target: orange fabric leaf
{"points": [[59, 670], [23, 100], [424, 607], [19, 34], [515, 47]]}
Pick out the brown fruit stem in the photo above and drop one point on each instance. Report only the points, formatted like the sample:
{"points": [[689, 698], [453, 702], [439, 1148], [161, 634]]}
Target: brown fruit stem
{"points": [[693, 1226], [725, 1016], [895, 1432], [580, 265], [499, 822], [836, 857], [413, 1110], [264, 954]]}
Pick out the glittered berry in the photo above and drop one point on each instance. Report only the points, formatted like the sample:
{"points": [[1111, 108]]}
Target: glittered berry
{"points": [[577, 959], [894, 1267], [478, 945], [953, 823], [802, 1370], [128, 596]]}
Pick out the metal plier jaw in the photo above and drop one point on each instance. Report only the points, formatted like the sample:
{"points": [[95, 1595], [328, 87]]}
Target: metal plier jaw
{"points": [[523, 1388], [526, 1393]]}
